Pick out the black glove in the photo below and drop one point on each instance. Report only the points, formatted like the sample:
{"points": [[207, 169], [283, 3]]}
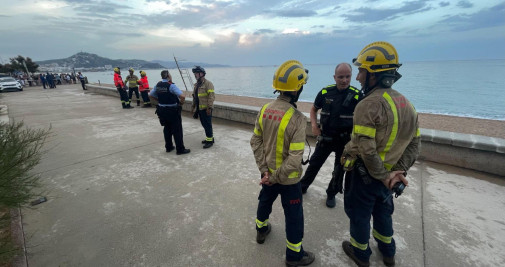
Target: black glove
{"points": [[195, 115]]}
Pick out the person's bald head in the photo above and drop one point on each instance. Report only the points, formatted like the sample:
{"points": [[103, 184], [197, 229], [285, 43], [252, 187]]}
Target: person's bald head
{"points": [[343, 73]]}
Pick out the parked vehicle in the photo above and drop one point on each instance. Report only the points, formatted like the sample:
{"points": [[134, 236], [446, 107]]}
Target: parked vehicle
{"points": [[9, 84]]}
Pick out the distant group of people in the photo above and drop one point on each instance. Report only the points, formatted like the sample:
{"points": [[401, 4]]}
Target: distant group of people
{"points": [[170, 100], [373, 132]]}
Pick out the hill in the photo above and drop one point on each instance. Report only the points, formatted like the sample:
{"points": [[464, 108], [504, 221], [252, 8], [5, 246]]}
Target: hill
{"points": [[92, 62], [186, 64]]}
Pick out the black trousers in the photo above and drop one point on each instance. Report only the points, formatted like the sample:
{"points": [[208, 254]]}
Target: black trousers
{"points": [[206, 121], [123, 95], [291, 199], [83, 86], [321, 153], [130, 92], [145, 97], [170, 119]]}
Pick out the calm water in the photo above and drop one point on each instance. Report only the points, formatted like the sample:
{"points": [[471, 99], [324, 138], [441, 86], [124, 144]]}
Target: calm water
{"points": [[461, 88]]}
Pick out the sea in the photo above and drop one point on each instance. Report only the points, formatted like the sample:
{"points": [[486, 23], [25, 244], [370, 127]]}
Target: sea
{"points": [[472, 88]]}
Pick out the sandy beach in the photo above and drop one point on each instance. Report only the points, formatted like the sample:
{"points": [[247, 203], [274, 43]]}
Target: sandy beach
{"points": [[491, 128]]}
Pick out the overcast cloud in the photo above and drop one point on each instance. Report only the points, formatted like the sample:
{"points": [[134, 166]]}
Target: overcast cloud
{"points": [[252, 32]]}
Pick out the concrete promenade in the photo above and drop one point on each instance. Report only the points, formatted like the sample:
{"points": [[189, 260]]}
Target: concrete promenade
{"points": [[116, 198]]}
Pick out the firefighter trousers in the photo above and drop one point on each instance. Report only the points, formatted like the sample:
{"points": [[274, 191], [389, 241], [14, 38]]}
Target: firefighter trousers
{"points": [[362, 200], [123, 95], [145, 97], [206, 121], [291, 199], [132, 90]]}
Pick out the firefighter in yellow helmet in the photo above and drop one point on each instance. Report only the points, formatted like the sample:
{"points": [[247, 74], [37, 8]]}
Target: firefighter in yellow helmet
{"points": [[278, 143], [384, 145], [133, 81]]}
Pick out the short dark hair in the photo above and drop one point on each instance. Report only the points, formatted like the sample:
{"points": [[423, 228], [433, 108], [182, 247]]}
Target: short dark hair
{"points": [[164, 74]]}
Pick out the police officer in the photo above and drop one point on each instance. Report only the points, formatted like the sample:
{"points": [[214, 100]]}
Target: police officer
{"points": [[170, 98], [278, 143], [203, 103], [337, 102], [384, 145], [120, 86], [132, 81]]}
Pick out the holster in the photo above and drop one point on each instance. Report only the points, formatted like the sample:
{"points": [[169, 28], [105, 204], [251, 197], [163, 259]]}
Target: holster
{"points": [[160, 117], [361, 170]]}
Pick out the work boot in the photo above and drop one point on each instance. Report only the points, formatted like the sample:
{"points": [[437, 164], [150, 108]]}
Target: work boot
{"points": [[138, 103], [128, 106], [307, 259], [331, 202], [124, 105], [205, 141], [146, 105], [170, 149], [349, 251], [208, 144], [260, 237], [185, 151], [389, 261]]}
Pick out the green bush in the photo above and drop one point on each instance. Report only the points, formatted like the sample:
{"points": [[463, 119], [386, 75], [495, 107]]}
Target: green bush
{"points": [[20, 151]]}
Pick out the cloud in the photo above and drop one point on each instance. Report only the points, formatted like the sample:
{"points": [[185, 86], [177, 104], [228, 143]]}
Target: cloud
{"points": [[464, 4], [367, 14], [485, 18], [292, 13], [444, 4]]}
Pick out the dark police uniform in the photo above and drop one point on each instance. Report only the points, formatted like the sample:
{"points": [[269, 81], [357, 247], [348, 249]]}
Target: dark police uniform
{"points": [[169, 113], [336, 121]]}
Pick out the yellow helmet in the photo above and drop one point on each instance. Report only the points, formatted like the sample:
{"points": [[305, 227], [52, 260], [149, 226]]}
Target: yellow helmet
{"points": [[290, 76], [116, 69], [142, 73], [131, 69], [377, 57]]}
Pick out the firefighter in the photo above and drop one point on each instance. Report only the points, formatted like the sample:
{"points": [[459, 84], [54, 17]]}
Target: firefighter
{"points": [[337, 102], [384, 145], [203, 103], [144, 89], [278, 143], [132, 81], [170, 99], [120, 86]]}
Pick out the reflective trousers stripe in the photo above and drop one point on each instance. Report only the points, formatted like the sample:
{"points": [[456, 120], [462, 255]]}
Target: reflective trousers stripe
{"points": [[261, 224], [358, 245], [385, 239], [294, 247]]}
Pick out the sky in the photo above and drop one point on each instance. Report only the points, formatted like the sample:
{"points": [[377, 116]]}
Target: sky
{"points": [[252, 32]]}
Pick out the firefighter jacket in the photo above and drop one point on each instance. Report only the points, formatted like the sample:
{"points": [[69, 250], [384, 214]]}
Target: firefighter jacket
{"points": [[278, 141], [386, 133], [118, 81], [143, 84], [337, 109], [132, 81], [203, 95]]}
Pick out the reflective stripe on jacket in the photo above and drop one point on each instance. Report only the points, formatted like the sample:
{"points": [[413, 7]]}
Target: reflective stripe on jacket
{"points": [[205, 95], [385, 133], [118, 81], [132, 80], [143, 84], [278, 141]]}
